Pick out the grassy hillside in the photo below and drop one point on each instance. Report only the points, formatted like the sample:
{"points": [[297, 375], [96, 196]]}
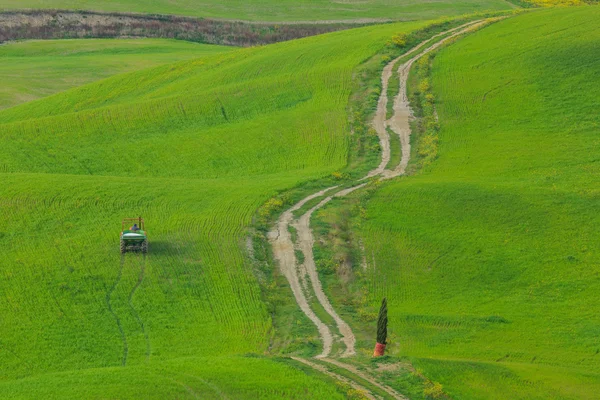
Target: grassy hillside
{"points": [[195, 147], [489, 256], [34, 69], [272, 10], [189, 378]]}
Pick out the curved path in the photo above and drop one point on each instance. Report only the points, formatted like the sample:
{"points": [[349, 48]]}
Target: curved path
{"points": [[283, 250], [281, 238], [399, 122]]}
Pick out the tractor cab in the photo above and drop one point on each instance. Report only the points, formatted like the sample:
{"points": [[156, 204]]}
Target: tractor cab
{"points": [[133, 235]]}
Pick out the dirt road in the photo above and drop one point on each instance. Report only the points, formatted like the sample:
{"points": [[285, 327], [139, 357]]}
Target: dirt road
{"points": [[284, 253], [281, 238], [400, 120]]}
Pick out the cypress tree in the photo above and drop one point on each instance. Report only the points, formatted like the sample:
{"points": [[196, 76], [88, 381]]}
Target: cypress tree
{"points": [[382, 322]]}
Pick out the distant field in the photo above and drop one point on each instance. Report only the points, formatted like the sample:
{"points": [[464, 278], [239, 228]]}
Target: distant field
{"points": [[34, 69], [195, 147], [489, 257], [272, 10]]}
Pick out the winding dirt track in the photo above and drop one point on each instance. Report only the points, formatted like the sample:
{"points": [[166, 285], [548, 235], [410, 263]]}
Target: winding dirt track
{"points": [[305, 244], [283, 250], [281, 238], [399, 122]]}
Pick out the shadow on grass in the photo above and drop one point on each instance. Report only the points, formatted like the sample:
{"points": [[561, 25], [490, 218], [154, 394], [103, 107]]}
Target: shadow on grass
{"points": [[165, 247]]}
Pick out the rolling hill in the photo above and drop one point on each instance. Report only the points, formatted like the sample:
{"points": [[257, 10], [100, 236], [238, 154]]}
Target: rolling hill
{"points": [[270, 10], [195, 147], [488, 255], [39, 68], [485, 250]]}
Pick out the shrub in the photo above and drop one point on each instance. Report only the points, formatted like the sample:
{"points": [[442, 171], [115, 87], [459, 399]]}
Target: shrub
{"points": [[270, 206], [399, 40], [337, 175], [434, 391]]}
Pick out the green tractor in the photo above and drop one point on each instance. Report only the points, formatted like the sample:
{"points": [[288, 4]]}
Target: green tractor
{"points": [[135, 238]]}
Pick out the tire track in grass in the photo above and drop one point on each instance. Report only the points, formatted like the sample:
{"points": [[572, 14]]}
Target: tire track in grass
{"points": [[362, 375], [15, 355], [317, 367], [380, 123], [210, 385], [283, 251], [187, 388], [115, 316], [400, 120], [136, 315], [305, 241], [280, 237]]}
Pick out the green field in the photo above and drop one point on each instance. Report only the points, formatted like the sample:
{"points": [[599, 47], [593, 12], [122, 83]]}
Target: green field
{"points": [[37, 68], [487, 254], [488, 257], [273, 10], [195, 147]]}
